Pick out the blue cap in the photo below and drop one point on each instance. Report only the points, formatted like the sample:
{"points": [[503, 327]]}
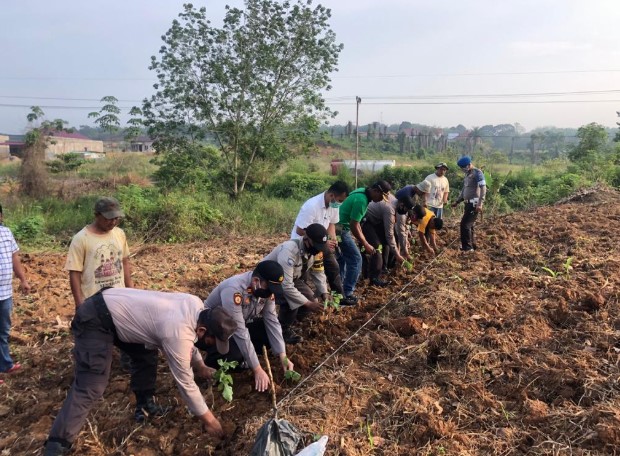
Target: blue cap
{"points": [[464, 161]]}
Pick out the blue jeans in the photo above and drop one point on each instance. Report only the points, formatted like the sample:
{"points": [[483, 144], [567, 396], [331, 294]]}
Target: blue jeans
{"points": [[438, 211], [350, 261], [6, 307]]}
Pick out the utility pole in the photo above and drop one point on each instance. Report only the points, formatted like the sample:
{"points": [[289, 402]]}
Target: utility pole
{"points": [[358, 100]]}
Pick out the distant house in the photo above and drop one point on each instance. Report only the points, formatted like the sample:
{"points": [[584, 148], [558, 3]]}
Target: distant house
{"points": [[59, 143], [62, 142], [5, 150], [142, 144]]}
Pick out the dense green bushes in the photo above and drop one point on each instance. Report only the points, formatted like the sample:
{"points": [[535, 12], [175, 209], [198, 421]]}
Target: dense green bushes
{"points": [[174, 217], [298, 185]]}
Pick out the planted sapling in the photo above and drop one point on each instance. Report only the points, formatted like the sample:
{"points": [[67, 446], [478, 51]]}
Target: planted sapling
{"points": [[223, 379], [334, 301], [290, 374]]}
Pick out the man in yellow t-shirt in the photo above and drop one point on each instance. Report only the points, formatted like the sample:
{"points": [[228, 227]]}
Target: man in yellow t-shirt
{"points": [[427, 224], [98, 255]]}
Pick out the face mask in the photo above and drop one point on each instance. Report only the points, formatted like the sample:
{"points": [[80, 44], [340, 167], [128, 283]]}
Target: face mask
{"points": [[262, 292], [335, 204], [201, 344], [401, 210]]}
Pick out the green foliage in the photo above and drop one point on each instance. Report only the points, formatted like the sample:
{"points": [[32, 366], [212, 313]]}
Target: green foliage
{"points": [[223, 379], [174, 217], [592, 141], [408, 265], [107, 116], [400, 176], [29, 230], [334, 301], [290, 374], [65, 162], [298, 185], [187, 167], [253, 86]]}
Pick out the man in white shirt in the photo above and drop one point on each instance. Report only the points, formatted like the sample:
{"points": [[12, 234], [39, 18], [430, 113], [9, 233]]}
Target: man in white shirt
{"points": [[439, 191], [324, 210], [141, 322]]}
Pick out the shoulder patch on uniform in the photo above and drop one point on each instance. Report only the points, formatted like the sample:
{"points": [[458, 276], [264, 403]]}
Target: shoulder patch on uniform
{"points": [[237, 299], [290, 262]]}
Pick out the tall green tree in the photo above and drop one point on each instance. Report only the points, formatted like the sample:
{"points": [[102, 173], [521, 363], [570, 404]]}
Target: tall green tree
{"points": [[107, 117], [593, 140], [253, 86]]}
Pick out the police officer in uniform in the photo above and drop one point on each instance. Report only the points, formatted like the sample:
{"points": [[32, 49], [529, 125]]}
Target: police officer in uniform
{"points": [[299, 259], [250, 299]]}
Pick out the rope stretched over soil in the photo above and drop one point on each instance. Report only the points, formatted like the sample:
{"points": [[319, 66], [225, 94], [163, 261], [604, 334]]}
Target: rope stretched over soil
{"points": [[381, 309]]}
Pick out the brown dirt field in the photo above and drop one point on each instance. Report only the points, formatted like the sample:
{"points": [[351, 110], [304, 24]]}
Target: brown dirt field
{"points": [[470, 354]]}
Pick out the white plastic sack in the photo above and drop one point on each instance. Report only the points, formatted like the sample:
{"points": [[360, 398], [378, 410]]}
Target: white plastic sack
{"points": [[315, 449]]}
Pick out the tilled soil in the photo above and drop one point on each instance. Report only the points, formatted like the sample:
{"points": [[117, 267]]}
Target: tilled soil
{"points": [[513, 349]]}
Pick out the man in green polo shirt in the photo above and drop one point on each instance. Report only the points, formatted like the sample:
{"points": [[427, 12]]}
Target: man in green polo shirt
{"points": [[352, 212]]}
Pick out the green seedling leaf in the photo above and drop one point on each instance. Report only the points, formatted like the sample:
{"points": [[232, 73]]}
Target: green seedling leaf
{"points": [[292, 375], [223, 379], [408, 265], [380, 248], [334, 301], [227, 393], [549, 271]]}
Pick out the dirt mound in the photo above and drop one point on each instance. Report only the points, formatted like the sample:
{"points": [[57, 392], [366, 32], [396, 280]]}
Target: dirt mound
{"points": [[512, 350]]}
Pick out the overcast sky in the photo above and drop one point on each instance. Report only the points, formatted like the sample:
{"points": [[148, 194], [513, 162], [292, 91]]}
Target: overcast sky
{"points": [[429, 62]]}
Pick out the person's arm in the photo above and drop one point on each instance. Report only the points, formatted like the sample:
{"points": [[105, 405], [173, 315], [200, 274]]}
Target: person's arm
{"points": [[19, 272], [425, 243], [331, 236], [356, 230], [446, 194], [288, 258], [389, 219], [433, 236], [300, 231], [482, 185], [75, 280], [180, 356], [127, 273]]}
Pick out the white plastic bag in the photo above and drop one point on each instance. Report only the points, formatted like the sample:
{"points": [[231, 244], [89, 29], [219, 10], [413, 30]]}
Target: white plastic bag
{"points": [[315, 449]]}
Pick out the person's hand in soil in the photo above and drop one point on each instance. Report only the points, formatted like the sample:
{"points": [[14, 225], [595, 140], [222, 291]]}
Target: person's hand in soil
{"points": [[212, 425], [287, 365], [261, 379], [205, 372], [314, 306]]}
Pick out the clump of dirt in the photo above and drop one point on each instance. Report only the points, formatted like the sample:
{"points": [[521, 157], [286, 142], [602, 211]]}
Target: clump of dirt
{"points": [[513, 349]]}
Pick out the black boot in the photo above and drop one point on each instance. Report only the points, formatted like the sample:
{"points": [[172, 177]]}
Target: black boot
{"points": [[290, 336], [146, 407], [56, 448]]}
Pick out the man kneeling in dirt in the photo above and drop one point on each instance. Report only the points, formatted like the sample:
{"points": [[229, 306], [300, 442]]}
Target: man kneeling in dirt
{"points": [[299, 259], [249, 298], [139, 322]]}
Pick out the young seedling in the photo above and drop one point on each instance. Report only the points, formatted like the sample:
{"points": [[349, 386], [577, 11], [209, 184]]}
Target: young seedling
{"points": [[551, 272], [567, 266], [223, 379], [290, 374], [334, 301], [408, 265]]}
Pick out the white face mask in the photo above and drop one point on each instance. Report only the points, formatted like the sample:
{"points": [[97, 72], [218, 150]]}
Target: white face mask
{"points": [[335, 204]]}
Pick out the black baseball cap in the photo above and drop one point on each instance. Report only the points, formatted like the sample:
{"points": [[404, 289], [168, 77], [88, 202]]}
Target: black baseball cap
{"points": [[384, 187], [220, 324], [109, 207], [317, 233], [272, 272]]}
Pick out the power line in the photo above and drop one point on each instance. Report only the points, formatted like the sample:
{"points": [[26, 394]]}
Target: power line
{"points": [[480, 102]]}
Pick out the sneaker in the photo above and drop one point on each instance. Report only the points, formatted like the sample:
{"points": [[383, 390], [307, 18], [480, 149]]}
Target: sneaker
{"points": [[15, 368], [349, 301], [291, 337], [377, 282], [55, 449], [149, 409]]}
